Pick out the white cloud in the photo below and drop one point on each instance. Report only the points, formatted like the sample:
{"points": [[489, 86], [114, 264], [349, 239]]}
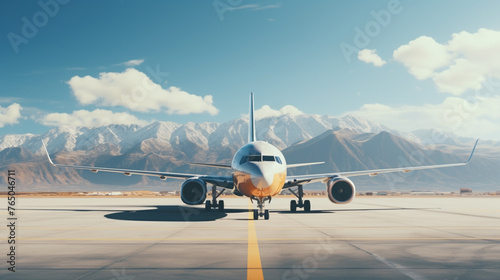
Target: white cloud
{"points": [[266, 111], [134, 90], [10, 115], [423, 56], [133, 62], [474, 117], [84, 118], [462, 64], [370, 56], [462, 75]]}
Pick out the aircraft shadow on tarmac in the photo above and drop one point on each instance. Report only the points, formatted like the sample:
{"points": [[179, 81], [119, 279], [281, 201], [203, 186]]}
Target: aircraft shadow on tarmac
{"points": [[172, 214], [169, 213], [193, 214]]}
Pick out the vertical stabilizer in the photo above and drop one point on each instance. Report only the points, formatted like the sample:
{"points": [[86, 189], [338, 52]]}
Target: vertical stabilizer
{"points": [[251, 122]]}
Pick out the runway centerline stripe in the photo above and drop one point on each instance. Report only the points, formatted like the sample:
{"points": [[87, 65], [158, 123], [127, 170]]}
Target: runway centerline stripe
{"points": [[254, 264]]}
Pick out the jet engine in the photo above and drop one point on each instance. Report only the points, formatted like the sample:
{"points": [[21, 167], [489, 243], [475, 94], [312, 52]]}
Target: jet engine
{"points": [[340, 190], [237, 192], [193, 191]]}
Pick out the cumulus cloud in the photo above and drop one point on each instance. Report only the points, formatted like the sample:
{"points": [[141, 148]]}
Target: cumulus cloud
{"points": [[423, 56], [84, 118], [134, 90], [10, 115], [370, 56], [462, 64], [266, 111], [471, 117]]}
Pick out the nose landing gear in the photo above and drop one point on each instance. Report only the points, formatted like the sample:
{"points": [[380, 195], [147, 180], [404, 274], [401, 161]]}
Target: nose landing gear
{"points": [[261, 212]]}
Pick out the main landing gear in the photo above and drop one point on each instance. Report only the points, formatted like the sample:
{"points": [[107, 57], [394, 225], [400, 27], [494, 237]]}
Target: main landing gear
{"points": [[213, 203], [261, 212], [306, 204]]}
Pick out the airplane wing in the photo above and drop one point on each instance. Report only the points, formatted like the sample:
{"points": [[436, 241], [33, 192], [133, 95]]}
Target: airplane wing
{"points": [[220, 181], [225, 166], [293, 181], [303, 164]]}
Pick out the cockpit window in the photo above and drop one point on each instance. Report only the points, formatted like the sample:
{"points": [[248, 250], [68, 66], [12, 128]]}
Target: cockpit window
{"points": [[278, 160], [255, 158], [243, 160], [259, 158], [268, 158]]}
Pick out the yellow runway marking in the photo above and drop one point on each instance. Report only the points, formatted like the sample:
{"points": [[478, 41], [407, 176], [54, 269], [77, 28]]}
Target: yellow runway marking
{"points": [[254, 264]]}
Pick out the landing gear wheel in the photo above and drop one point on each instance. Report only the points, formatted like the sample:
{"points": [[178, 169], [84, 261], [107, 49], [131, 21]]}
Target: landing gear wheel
{"points": [[266, 215], [209, 204], [307, 206], [261, 211], [293, 205]]}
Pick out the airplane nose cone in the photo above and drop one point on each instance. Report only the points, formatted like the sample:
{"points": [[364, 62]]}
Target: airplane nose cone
{"points": [[262, 181]]}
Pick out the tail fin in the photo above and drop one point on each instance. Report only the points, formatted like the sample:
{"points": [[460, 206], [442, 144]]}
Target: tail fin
{"points": [[251, 122]]}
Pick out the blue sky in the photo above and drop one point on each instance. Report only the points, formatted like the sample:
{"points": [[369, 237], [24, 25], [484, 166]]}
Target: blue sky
{"points": [[409, 65]]}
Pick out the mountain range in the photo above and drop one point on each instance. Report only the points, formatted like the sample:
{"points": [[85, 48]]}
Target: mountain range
{"points": [[344, 144]]}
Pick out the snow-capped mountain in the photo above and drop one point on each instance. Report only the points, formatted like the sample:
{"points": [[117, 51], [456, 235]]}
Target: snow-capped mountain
{"points": [[14, 140], [281, 131], [166, 145]]}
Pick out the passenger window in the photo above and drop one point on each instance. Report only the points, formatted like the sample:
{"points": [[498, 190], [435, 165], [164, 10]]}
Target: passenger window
{"points": [[268, 158]]}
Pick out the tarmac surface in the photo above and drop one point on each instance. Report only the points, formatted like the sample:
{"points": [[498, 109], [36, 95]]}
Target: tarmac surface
{"points": [[160, 238]]}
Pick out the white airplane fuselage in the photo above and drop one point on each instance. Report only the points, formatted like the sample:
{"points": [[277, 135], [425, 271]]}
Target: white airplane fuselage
{"points": [[259, 170]]}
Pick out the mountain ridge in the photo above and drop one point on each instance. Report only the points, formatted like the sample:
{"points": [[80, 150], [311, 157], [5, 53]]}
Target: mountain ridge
{"points": [[346, 143]]}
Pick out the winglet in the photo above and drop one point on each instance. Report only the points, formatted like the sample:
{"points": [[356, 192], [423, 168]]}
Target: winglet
{"points": [[472, 153], [47, 152]]}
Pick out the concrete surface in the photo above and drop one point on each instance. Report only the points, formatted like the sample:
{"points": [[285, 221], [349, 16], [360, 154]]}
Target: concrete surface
{"points": [[160, 238]]}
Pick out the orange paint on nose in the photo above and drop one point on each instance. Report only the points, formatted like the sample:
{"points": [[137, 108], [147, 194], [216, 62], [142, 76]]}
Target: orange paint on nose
{"points": [[244, 184]]}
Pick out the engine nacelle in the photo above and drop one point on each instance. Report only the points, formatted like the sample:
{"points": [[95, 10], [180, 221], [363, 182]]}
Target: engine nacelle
{"points": [[340, 190], [237, 192], [193, 191]]}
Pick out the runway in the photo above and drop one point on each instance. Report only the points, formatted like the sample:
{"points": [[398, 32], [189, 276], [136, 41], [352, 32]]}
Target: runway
{"points": [[160, 238]]}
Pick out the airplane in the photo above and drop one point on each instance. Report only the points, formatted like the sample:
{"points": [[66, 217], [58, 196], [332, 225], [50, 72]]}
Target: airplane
{"points": [[259, 171]]}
